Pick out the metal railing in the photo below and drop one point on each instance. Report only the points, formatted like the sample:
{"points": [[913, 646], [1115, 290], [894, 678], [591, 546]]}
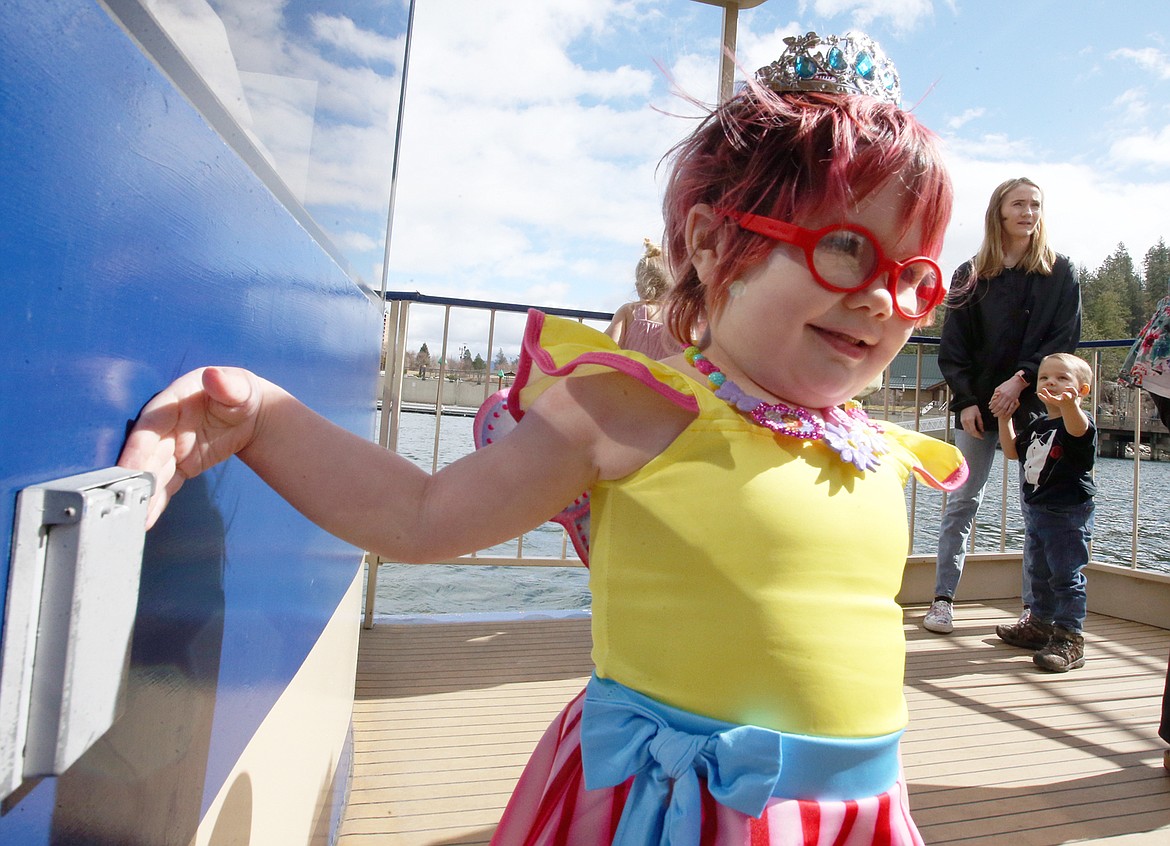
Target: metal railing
{"points": [[455, 321]]}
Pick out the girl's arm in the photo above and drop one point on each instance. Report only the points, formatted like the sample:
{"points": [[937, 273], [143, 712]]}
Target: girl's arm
{"points": [[617, 326], [579, 431]]}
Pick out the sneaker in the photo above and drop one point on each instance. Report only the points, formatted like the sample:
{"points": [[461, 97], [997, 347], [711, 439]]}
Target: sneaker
{"points": [[1027, 632], [1064, 652], [940, 618]]}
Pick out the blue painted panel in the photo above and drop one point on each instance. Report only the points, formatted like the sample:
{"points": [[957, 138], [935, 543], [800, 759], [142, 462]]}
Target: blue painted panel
{"points": [[135, 245]]}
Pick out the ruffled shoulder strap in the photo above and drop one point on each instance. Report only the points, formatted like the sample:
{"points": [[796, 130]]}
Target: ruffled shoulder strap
{"points": [[554, 348], [933, 461]]}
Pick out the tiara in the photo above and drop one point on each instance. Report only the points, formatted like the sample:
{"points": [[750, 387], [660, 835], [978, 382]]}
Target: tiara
{"points": [[849, 64]]}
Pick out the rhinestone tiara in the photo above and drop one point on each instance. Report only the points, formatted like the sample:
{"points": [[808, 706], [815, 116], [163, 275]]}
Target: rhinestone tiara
{"points": [[848, 64]]}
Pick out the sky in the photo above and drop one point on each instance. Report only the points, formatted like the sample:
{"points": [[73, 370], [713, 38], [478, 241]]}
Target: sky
{"points": [[529, 168], [530, 173]]}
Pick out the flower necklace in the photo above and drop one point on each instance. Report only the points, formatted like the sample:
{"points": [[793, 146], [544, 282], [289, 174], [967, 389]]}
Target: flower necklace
{"points": [[847, 431]]}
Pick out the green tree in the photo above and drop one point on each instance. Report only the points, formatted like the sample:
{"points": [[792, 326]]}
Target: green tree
{"points": [[1111, 297], [478, 363], [1157, 275], [1107, 298]]}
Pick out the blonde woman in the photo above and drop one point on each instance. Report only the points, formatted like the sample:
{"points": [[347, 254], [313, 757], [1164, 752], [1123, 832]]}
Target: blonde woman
{"points": [[1012, 304]]}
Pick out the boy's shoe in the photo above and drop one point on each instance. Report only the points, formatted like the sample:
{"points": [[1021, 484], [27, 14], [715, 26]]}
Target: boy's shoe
{"points": [[940, 618], [1166, 760], [1027, 632], [1064, 652]]}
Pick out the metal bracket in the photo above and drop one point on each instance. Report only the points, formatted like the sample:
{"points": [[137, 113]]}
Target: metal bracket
{"points": [[69, 617]]}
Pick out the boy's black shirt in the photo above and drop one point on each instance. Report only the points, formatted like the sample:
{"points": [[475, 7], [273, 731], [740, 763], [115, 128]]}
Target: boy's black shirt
{"points": [[1061, 467]]}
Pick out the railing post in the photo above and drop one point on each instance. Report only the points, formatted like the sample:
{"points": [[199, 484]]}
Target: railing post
{"points": [[1136, 393]]}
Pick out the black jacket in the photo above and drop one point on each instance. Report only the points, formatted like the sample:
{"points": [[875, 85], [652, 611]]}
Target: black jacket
{"points": [[1004, 324]]}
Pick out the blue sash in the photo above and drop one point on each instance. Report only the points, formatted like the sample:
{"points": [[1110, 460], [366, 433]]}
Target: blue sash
{"points": [[624, 733]]}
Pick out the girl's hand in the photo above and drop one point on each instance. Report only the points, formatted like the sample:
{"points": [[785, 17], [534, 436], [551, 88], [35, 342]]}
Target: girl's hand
{"points": [[199, 420]]}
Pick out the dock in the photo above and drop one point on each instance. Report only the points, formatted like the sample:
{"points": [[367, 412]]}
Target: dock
{"points": [[997, 752]]}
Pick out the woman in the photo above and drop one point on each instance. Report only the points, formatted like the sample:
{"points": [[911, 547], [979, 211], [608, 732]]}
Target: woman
{"points": [[1015, 302]]}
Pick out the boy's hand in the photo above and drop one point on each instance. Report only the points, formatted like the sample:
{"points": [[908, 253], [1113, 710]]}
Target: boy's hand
{"points": [[199, 420], [1005, 399], [1067, 398]]}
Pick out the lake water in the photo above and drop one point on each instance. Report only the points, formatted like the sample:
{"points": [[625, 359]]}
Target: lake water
{"points": [[438, 589]]}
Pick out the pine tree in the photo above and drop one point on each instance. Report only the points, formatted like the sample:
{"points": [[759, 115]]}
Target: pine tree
{"points": [[1157, 275], [1111, 298]]}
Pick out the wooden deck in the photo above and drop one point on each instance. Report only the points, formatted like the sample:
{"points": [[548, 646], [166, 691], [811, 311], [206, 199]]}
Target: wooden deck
{"points": [[997, 752]]}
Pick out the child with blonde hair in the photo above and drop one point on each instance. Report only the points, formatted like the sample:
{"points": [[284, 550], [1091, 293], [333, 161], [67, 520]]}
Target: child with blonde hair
{"points": [[638, 325], [1056, 454]]}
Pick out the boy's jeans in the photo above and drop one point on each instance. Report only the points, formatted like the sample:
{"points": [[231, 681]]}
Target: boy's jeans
{"points": [[1056, 538], [959, 516]]}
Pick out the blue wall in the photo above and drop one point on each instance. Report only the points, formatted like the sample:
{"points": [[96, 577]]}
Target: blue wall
{"points": [[136, 245]]}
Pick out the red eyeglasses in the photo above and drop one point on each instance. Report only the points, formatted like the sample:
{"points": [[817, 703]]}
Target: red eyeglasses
{"points": [[845, 258]]}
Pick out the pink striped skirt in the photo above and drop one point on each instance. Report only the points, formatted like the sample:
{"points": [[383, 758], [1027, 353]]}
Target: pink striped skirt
{"points": [[551, 807]]}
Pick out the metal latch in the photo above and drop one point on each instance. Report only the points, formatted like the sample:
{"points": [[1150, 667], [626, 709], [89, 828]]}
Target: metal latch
{"points": [[69, 618]]}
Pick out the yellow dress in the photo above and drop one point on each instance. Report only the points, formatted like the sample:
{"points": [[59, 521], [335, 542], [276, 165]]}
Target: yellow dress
{"points": [[744, 575]]}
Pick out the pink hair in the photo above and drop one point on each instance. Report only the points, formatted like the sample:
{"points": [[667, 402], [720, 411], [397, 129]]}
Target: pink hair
{"points": [[792, 157]]}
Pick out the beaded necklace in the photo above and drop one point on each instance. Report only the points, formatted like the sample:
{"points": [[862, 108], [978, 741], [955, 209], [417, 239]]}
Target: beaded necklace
{"points": [[847, 431]]}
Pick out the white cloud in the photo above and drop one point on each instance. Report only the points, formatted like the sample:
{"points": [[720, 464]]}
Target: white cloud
{"points": [[343, 33], [968, 115], [994, 147], [525, 175], [1149, 59], [902, 15], [1150, 148], [358, 241], [1132, 105]]}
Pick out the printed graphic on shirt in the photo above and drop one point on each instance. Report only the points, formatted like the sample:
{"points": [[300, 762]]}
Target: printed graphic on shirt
{"points": [[1039, 449]]}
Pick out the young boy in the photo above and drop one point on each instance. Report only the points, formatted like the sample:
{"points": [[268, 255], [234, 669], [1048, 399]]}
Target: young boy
{"points": [[1056, 456]]}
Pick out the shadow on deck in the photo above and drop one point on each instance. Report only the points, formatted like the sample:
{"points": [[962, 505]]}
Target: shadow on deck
{"points": [[997, 752]]}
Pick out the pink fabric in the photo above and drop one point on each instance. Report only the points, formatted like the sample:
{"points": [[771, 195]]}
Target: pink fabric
{"points": [[536, 354], [550, 807], [951, 483], [647, 336]]}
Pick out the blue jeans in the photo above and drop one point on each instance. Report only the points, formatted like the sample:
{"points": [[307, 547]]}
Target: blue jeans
{"points": [[1057, 538], [959, 516]]}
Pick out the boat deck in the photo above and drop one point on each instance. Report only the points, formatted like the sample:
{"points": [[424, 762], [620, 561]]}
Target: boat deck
{"points": [[997, 752]]}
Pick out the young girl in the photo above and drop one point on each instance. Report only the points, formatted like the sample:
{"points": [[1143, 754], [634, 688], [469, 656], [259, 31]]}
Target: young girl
{"points": [[748, 530], [638, 326]]}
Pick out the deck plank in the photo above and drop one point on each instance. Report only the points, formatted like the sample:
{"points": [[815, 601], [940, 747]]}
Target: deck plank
{"points": [[445, 716]]}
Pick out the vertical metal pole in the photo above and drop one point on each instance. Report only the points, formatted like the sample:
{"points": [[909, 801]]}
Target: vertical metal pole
{"points": [[727, 54], [1137, 472], [397, 148]]}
